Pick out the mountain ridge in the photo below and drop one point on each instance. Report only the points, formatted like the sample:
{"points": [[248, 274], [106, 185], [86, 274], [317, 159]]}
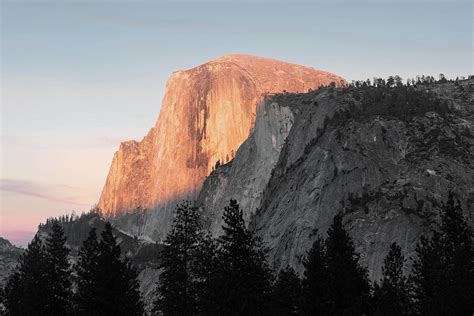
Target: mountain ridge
{"points": [[385, 157], [207, 112], [9, 255], [387, 172]]}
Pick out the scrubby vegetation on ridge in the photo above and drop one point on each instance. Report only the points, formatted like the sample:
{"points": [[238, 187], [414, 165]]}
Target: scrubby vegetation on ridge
{"points": [[409, 103], [77, 227]]}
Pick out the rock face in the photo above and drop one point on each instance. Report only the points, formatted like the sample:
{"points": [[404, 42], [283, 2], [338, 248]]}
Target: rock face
{"points": [[299, 159], [388, 176], [9, 255], [247, 175], [207, 113]]}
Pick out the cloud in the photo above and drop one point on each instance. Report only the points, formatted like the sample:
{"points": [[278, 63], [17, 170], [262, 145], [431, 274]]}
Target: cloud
{"points": [[54, 193], [156, 22], [51, 141]]}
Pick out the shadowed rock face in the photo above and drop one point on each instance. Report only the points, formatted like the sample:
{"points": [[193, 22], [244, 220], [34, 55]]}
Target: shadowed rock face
{"points": [[389, 177], [9, 255], [246, 176], [207, 113]]}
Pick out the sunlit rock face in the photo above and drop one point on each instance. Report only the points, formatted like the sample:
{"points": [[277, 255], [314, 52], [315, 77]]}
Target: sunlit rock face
{"points": [[206, 114]]}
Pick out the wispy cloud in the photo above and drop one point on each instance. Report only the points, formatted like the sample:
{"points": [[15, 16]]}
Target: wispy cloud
{"points": [[54, 193], [51, 142], [156, 22]]}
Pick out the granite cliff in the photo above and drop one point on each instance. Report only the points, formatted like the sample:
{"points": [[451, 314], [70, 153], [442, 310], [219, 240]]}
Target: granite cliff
{"points": [[206, 114], [384, 157], [386, 167], [246, 176], [294, 160]]}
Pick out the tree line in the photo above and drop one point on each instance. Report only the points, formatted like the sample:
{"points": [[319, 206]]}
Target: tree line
{"points": [[397, 81], [229, 274], [101, 282], [393, 98]]}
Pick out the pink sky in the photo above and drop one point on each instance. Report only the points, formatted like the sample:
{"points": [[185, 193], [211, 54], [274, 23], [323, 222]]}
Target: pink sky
{"points": [[49, 165]]}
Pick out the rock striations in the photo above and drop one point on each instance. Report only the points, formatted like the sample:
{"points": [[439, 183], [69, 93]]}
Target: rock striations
{"points": [[206, 114], [387, 174], [246, 176], [384, 157]]}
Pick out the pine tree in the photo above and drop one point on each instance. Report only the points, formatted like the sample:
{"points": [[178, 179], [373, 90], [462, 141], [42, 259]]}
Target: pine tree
{"points": [[118, 287], [58, 271], [286, 293], [315, 278], [390, 81], [177, 288], [241, 284], [12, 295], [443, 272], [111, 278], [334, 283], [86, 299], [392, 297], [205, 267], [348, 287], [24, 291]]}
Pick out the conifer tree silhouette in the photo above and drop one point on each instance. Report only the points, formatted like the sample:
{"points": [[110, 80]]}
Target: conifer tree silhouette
{"points": [[177, 287], [443, 272], [111, 277], [241, 284], [86, 298], [286, 293], [23, 294], [334, 283], [348, 286], [58, 271], [314, 295], [392, 297]]}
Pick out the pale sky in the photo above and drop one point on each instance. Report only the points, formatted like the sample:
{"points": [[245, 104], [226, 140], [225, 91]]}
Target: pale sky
{"points": [[78, 77]]}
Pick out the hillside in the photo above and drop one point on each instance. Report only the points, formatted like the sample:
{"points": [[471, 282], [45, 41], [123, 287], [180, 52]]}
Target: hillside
{"points": [[384, 157], [143, 253], [9, 255]]}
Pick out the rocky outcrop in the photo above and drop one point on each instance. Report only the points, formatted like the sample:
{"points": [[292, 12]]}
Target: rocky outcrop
{"points": [[300, 158], [9, 255], [247, 175], [207, 113], [386, 174]]}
